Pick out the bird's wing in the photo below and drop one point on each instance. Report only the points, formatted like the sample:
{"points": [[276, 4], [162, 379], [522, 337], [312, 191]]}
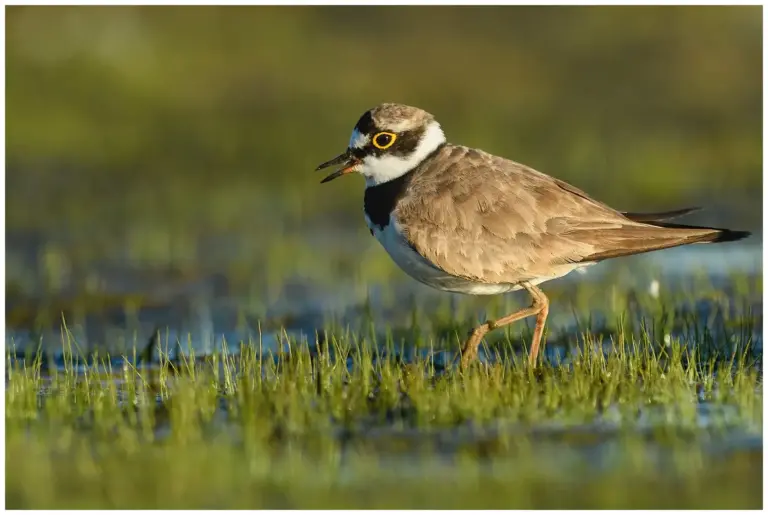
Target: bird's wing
{"points": [[492, 220]]}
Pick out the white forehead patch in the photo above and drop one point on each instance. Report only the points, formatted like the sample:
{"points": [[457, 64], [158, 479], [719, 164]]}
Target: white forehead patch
{"points": [[358, 140]]}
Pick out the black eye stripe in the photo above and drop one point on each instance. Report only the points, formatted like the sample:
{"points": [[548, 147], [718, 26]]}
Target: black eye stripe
{"points": [[406, 142]]}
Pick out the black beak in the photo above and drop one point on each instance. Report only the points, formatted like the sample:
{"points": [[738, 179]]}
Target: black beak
{"points": [[348, 162]]}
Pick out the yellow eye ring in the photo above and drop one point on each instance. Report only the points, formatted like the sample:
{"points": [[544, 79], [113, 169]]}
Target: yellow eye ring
{"points": [[384, 140]]}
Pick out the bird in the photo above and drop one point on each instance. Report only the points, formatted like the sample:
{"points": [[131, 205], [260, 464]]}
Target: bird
{"points": [[462, 220]]}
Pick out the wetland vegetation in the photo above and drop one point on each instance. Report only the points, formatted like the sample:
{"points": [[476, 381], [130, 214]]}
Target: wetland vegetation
{"points": [[661, 410]]}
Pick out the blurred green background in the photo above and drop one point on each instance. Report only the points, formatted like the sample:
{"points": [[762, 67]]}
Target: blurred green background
{"points": [[183, 139]]}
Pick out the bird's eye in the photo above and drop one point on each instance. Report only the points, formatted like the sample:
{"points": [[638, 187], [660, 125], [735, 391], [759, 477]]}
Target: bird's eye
{"points": [[384, 140]]}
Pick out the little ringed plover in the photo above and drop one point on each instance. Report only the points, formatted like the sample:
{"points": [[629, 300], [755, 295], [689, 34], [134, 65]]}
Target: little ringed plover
{"points": [[462, 220]]}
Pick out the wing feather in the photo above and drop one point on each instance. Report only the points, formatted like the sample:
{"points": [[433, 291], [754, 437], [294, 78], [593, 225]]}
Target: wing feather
{"points": [[492, 220]]}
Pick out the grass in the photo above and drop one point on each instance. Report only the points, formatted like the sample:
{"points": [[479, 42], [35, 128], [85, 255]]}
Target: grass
{"points": [[345, 423]]}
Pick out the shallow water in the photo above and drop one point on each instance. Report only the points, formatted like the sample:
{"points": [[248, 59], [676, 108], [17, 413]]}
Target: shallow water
{"points": [[206, 311]]}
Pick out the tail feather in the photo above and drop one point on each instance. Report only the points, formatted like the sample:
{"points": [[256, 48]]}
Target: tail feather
{"points": [[665, 215], [718, 235], [650, 236]]}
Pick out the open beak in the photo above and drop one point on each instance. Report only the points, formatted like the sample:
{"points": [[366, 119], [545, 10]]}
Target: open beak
{"points": [[346, 160]]}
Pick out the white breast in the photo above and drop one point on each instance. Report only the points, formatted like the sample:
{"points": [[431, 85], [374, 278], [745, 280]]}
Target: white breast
{"points": [[412, 263]]}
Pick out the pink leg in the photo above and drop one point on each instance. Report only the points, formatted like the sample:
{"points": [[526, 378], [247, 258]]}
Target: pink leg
{"points": [[540, 308]]}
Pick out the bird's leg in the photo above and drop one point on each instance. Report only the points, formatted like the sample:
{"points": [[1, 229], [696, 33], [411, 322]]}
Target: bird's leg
{"points": [[539, 307], [541, 318], [469, 351]]}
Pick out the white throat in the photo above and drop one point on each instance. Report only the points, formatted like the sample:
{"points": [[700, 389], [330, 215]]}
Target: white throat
{"points": [[378, 170]]}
